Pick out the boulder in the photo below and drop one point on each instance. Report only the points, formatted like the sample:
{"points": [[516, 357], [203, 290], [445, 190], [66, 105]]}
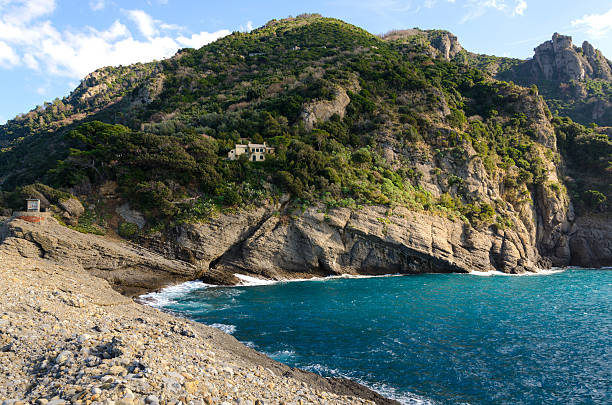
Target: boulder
{"points": [[72, 207]]}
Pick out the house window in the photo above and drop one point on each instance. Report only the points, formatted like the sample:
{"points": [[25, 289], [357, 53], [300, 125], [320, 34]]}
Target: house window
{"points": [[261, 157], [254, 158]]}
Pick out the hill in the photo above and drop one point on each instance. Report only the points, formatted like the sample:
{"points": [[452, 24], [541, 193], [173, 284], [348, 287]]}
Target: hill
{"points": [[575, 81], [396, 127]]}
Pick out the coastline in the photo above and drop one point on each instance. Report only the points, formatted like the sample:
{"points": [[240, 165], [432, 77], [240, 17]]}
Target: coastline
{"points": [[68, 337], [67, 286]]}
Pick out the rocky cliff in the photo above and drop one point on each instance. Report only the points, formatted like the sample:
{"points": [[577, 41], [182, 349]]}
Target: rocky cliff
{"points": [[559, 59], [129, 268], [437, 43]]}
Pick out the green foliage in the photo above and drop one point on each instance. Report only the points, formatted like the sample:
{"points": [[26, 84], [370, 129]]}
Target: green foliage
{"points": [[167, 153], [88, 223], [594, 199], [128, 230], [588, 154]]}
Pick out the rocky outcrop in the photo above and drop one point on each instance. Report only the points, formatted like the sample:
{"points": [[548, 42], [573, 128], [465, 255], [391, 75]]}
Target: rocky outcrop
{"points": [[202, 244], [590, 240], [446, 43], [374, 241], [323, 110], [131, 269], [438, 43], [131, 216], [560, 60]]}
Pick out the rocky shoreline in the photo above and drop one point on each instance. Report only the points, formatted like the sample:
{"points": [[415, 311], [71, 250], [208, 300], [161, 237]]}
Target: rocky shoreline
{"points": [[67, 337], [70, 331]]}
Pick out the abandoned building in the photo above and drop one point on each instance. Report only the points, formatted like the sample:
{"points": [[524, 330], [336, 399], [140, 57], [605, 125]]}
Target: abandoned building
{"points": [[256, 152]]}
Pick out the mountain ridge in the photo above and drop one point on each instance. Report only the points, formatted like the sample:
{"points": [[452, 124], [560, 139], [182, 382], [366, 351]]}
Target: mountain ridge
{"points": [[419, 133]]}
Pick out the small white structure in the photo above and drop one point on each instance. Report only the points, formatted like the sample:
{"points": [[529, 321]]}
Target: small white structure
{"points": [[256, 152], [32, 212], [33, 205]]}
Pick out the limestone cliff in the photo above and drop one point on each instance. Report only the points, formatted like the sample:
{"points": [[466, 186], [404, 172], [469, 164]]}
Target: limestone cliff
{"points": [[129, 268], [559, 59], [437, 43]]}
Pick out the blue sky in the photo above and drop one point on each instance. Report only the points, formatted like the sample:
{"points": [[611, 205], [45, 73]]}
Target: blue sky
{"points": [[48, 46]]}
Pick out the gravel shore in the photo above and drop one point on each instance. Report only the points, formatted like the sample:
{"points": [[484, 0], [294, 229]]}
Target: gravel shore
{"points": [[67, 337]]}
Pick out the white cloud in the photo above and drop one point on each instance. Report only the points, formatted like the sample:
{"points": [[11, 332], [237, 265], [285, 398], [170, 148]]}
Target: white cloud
{"points": [[477, 8], [8, 57], [520, 8], [30, 61], [23, 11], [35, 43], [201, 39], [247, 28], [596, 25], [97, 5], [432, 3], [144, 21]]}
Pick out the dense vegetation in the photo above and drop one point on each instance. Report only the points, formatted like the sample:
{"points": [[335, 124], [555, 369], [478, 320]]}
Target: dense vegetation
{"points": [[161, 132], [588, 153]]}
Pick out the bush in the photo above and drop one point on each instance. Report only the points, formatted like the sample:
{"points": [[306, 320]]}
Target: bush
{"points": [[593, 199], [128, 230]]}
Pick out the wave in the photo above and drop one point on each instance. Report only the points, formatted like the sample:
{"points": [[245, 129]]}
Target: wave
{"points": [[168, 295], [229, 329], [404, 398], [541, 272], [281, 355], [250, 281]]}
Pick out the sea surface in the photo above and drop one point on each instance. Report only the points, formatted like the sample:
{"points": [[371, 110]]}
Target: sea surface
{"points": [[429, 339]]}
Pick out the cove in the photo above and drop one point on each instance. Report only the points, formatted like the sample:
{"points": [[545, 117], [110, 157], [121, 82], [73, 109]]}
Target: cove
{"points": [[439, 339]]}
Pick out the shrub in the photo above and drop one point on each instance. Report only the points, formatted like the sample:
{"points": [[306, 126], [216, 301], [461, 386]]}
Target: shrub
{"points": [[128, 230]]}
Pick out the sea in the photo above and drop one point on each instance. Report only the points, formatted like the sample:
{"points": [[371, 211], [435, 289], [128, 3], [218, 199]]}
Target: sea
{"points": [[484, 338]]}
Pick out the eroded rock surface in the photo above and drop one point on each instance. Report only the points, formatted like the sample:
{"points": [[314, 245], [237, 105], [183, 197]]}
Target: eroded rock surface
{"points": [[129, 268], [559, 59]]}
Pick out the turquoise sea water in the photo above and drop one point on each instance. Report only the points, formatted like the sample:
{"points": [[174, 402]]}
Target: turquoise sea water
{"points": [[442, 339]]}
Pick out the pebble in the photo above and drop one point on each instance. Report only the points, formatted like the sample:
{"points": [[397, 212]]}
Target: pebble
{"points": [[83, 338], [63, 357], [152, 400]]}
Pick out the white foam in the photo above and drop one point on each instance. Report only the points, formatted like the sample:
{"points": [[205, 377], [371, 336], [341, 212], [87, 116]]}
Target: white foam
{"points": [[540, 272], [253, 281], [281, 355], [229, 329], [404, 398], [249, 281], [167, 296]]}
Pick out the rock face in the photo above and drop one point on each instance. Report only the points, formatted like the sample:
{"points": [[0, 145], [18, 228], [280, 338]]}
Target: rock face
{"points": [[374, 241], [438, 43], [446, 43], [203, 244], [323, 110], [129, 268], [560, 60], [591, 242]]}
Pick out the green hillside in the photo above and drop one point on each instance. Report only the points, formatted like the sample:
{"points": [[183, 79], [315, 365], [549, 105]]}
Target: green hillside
{"points": [[161, 131]]}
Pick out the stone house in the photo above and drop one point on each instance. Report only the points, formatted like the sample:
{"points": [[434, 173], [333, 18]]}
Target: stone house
{"points": [[256, 152]]}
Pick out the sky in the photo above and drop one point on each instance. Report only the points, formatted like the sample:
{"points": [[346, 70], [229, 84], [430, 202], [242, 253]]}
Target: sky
{"points": [[48, 46]]}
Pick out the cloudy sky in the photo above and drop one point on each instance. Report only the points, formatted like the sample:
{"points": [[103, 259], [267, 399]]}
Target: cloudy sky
{"points": [[48, 46]]}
